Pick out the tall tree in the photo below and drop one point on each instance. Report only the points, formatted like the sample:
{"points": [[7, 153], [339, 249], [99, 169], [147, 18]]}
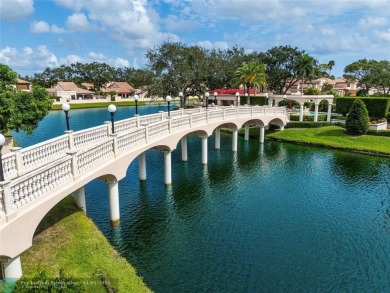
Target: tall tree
{"points": [[304, 67], [361, 72], [331, 63], [20, 110], [178, 68], [252, 75], [281, 68]]}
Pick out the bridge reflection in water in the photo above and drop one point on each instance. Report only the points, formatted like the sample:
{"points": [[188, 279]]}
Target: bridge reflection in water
{"points": [[39, 176]]}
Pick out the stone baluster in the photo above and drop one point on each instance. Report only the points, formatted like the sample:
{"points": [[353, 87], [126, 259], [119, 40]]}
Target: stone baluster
{"points": [[7, 196], [147, 133], [114, 137], [20, 168], [74, 168], [70, 139]]}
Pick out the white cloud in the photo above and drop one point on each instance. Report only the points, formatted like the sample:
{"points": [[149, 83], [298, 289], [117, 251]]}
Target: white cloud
{"points": [[213, 45], [120, 62], [384, 36], [40, 27], [12, 10], [371, 22], [78, 22]]}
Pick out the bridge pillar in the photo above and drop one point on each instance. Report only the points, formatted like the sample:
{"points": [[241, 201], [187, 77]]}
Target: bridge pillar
{"points": [[113, 193], [261, 137], [217, 138], [234, 140], [315, 112], [246, 132], [328, 117], [281, 127], [204, 150], [12, 268], [301, 112], [184, 156], [167, 167], [142, 166], [79, 197]]}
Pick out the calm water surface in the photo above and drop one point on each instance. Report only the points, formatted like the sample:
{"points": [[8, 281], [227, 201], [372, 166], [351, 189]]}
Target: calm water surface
{"points": [[271, 218]]}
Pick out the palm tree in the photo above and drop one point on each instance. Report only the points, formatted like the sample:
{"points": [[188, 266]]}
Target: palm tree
{"points": [[251, 74], [304, 66], [331, 63]]}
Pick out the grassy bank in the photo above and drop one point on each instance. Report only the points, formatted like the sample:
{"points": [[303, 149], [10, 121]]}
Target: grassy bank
{"points": [[68, 239], [335, 137]]}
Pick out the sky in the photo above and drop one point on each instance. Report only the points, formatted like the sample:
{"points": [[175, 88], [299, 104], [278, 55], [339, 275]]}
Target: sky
{"points": [[35, 34]]}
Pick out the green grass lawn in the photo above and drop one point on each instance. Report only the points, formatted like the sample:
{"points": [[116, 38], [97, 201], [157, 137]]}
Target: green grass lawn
{"points": [[68, 239], [335, 137]]}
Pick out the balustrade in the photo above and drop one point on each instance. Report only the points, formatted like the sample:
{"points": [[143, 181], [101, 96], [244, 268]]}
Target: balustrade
{"points": [[34, 171]]}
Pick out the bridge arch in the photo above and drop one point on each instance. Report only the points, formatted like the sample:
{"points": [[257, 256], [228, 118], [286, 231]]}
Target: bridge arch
{"points": [[71, 161]]}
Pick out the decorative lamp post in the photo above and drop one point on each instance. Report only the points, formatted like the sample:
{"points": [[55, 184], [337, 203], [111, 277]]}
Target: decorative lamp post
{"points": [[284, 97], [169, 99], [2, 142], [136, 98], [66, 108], [207, 99], [215, 98], [181, 100], [247, 98], [266, 99], [237, 96], [112, 109]]}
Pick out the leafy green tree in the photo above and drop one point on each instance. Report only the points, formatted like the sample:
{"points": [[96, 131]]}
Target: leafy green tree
{"points": [[20, 110], [282, 70], [112, 95], [326, 87], [252, 75], [361, 72], [357, 122], [178, 68]]}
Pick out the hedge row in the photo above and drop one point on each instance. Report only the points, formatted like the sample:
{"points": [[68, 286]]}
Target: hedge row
{"points": [[321, 117], [308, 124], [377, 107], [254, 100], [378, 132]]}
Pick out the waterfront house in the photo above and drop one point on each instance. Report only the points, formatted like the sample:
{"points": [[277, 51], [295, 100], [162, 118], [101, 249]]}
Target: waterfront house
{"points": [[123, 91], [24, 85], [69, 92]]}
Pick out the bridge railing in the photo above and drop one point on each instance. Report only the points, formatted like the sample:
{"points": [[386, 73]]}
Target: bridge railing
{"points": [[68, 162]]}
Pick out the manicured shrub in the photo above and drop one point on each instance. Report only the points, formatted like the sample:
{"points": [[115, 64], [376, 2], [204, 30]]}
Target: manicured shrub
{"points": [[357, 122]]}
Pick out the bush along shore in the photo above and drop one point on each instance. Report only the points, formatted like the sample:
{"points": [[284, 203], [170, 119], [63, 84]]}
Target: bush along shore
{"points": [[70, 254]]}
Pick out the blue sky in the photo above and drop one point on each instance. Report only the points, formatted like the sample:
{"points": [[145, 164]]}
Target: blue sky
{"points": [[35, 34]]}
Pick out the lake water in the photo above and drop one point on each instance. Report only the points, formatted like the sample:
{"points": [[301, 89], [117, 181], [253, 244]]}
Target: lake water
{"points": [[270, 218]]}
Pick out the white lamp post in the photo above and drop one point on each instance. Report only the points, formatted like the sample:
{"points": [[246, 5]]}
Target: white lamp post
{"points": [[136, 98], [207, 99], [169, 99], [181, 100], [215, 98], [247, 98], [112, 108], [2, 142], [237, 96], [66, 108]]}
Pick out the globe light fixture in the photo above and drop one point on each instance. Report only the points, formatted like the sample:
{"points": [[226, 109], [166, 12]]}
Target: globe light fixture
{"points": [[136, 98], [169, 99], [181, 99], [112, 109], [207, 99], [66, 108]]}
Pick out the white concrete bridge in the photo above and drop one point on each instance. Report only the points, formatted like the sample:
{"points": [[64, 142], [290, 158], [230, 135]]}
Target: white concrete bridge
{"points": [[39, 176]]}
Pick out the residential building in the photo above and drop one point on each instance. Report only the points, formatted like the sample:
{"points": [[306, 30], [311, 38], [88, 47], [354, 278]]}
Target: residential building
{"points": [[69, 92], [24, 85], [123, 90]]}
